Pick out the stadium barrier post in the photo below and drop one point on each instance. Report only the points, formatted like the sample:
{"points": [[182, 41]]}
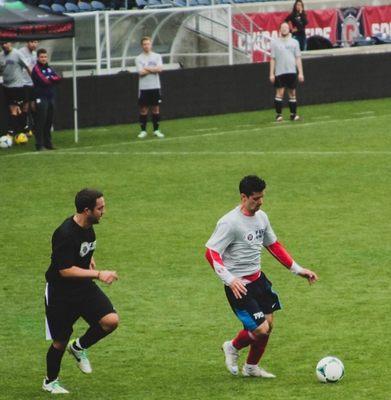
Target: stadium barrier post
{"points": [[230, 46], [97, 43], [75, 110], [108, 44]]}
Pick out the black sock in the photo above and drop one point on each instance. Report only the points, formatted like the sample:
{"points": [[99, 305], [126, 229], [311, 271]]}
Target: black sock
{"points": [[293, 105], [155, 121], [23, 121], [278, 105], [53, 363], [94, 334], [13, 124], [143, 121]]}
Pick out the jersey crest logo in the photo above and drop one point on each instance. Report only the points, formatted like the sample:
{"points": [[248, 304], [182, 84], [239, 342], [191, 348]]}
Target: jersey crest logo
{"points": [[86, 247], [257, 235]]}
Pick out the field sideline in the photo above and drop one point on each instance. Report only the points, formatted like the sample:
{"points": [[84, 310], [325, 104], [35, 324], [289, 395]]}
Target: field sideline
{"points": [[328, 177]]}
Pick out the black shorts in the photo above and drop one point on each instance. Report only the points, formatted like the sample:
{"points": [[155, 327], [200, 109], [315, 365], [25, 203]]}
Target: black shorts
{"points": [[14, 96], [259, 301], [63, 312], [149, 97], [28, 94], [286, 81]]}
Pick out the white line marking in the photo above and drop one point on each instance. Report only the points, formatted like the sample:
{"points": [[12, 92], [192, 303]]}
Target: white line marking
{"points": [[294, 125], [212, 134], [205, 129], [221, 153], [364, 113], [321, 117]]}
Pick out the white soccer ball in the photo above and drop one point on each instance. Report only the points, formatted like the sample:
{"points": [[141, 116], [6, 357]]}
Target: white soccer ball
{"points": [[5, 142], [330, 370]]}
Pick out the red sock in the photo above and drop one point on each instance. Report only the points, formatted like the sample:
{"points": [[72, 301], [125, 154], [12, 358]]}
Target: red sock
{"points": [[257, 349], [243, 339]]}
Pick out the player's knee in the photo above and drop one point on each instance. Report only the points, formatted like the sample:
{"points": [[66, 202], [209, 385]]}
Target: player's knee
{"points": [[60, 345], [110, 322], [262, 330]]}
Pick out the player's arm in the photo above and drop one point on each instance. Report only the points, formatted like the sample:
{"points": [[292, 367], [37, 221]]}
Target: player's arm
{"points": [[155, 70], [54, 77], [158, 68], [237, 286], [23, 62], [299, 65], [278, 251], [75, 272], [92, 263], [142, 71], [272, 77]]}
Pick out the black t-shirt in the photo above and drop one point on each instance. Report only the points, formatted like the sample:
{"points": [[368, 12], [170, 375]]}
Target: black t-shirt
{"points": [[299, 21], [72, 245]]}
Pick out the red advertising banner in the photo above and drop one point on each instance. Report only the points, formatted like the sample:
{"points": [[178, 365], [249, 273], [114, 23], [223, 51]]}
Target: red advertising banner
{"points": [[377, 20], [320, 22]]}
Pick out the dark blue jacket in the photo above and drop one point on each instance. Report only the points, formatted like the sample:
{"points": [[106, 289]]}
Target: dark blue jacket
{"points": [[44, 78]]}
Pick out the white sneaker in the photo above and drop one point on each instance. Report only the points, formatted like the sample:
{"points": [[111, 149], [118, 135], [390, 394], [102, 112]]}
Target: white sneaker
{"points": [[53, 387], [231, 357], [158, 134], [142, 135], [294, 117], [254, 370], [81, 357]]}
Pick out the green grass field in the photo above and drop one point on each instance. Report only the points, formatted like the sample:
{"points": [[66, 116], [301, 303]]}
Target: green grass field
{"points": [[329, 179]]}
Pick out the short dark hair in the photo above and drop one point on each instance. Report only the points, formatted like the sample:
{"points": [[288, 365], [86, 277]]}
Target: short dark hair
{"points": [[250, 184], [86, 198], [41, 51], [145, 38]]}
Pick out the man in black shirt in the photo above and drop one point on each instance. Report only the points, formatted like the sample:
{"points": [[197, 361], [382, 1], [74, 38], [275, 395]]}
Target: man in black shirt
{"points": [[70, 290]]}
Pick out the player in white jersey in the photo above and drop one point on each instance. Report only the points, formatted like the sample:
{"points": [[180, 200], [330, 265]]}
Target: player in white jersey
{"points": [[285, 69], [234, 252], [149, 66], [29, 53], [12, 64]]}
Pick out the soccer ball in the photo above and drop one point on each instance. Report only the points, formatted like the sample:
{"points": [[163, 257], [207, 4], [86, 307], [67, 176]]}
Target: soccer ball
{"points": [[5, 141], [21, 138], [330, 370]]}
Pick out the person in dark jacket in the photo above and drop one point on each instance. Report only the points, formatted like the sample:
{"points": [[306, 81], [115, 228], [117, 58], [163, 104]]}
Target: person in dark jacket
{"points": [[44, 78], [297, 20]]}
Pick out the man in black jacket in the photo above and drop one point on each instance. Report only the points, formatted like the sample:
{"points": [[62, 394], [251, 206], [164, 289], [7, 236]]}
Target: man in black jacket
{"points": [[44, 78]]}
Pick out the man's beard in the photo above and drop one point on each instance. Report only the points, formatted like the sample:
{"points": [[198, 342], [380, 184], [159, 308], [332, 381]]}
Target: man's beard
{"points": [[92, 220]]}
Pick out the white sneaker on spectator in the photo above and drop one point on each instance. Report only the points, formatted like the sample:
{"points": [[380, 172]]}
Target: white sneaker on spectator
{"points": [[231, 357], [255, 370], [158, 134], [142, 135]]}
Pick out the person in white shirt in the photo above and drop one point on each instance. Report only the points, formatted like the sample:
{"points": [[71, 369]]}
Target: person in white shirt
{"points": [[30, 54], [234, 252], [149, 66], [286, 69]]}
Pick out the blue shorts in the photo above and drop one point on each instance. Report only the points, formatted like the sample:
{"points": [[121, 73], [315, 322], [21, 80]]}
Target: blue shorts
{"points": [[259, 301]]}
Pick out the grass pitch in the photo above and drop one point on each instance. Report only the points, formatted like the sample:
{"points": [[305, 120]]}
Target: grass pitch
{"points": [[329, 179]]}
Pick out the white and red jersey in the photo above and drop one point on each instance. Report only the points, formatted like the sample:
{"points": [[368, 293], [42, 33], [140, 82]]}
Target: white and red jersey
{"points": [[239, 239], [234, 249]]}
